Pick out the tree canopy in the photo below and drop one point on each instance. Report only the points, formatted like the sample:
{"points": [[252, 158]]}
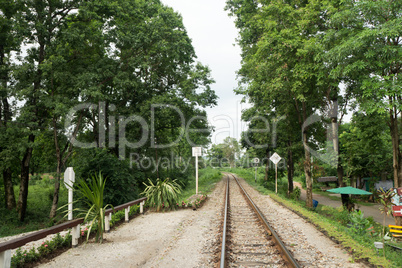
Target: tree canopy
{"points": [[118, 75]]}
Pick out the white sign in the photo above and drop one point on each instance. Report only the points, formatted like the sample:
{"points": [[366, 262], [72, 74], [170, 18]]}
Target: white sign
{"points": [[69, 177], [197, 151], [256, 160], [275, 158]]}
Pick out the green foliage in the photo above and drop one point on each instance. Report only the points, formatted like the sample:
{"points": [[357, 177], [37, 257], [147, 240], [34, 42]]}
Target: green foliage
{"points": [[366, 148], [385, 200], [122, 182], [37, 216], [93, 52], [23, 258], [295, 195], [207, 179], [164, 194], [93, 192], [340, 214], [358, 223]]}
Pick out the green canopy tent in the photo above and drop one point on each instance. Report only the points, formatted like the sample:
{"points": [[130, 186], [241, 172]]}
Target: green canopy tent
{"points": [[349, 190], [345, 192]]}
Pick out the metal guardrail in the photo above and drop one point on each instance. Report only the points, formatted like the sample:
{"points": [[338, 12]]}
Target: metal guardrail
{"points": [[19, 242]]}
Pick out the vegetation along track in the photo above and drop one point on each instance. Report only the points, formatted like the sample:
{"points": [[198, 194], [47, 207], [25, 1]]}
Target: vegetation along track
{"points": [[247, 239]]}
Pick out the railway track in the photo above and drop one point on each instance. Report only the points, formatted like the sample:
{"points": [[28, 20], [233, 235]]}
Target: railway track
{"points": [[247, 238]]}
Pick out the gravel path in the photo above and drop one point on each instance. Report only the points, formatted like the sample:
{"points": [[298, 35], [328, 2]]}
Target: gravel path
{"points": [[187, 238], [180, 238]]}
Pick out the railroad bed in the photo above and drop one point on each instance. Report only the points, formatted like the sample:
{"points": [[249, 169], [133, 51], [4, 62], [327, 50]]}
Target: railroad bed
{"points": [[249, 241], [188, 238]]}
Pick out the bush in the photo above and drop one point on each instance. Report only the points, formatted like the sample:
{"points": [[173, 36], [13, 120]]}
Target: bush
{"points": [[358, 223], [295, 195], [122, 182], [164, 194], [22, 258]]}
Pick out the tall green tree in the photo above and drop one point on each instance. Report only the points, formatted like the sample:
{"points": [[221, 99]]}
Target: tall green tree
{"points": [[231, 149], [43, 22], [368, 56], [366, 146], [9, 42], [280, 43]]}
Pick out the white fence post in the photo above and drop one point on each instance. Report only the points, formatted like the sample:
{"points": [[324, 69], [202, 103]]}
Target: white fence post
{"points": [[107, 223], [5, 259], [127, 210], [142, 207], [75, 235]]}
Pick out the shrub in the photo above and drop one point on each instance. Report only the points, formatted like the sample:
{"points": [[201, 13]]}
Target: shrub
{"points": [[295, 195], [162, 194], [358, 223], [93, 193], [122, 182]]}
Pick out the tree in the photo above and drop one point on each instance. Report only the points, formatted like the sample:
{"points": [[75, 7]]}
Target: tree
{"points": [[230, 148], [9, 42], [44, 21], [366, 147], [368, 57], [121, 57], [280, 44]]}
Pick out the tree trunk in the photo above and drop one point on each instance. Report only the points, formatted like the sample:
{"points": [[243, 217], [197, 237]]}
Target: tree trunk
{"points": [[346, 202], [335, 140], [267, 165], [307, 172], [62, 157], [55, 202], [8, 189], [290, 167], [23, 195], [396, 153]]}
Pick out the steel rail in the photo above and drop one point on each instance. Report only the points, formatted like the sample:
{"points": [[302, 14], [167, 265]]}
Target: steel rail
{"points": [[282, 248], [223, 250]]}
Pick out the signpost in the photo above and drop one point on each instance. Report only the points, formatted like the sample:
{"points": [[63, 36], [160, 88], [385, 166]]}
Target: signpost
{"points": [[397, 210], [275, 158], [256, 161], [69, 179], [196, 152]]}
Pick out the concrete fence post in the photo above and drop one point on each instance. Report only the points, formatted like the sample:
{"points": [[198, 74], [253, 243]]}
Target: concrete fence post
{"points": [[5, 259], [127, 210], [107, 223], [76, 232], [142, 207]]}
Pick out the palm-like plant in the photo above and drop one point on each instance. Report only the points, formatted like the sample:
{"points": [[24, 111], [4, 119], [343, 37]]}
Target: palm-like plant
{"points": [[93, 196], [385, 200], [162, 194]]}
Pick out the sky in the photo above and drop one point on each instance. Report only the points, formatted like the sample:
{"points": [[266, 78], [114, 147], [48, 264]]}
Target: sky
{"points": [[213, 35]]}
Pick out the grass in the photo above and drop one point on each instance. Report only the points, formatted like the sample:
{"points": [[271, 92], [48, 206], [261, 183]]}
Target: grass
{"points": [[40, 197], [333, 222], [207, 179]]}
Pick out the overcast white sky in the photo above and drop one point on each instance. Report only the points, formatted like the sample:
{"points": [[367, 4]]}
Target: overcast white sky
{"points": [[213, 35]]}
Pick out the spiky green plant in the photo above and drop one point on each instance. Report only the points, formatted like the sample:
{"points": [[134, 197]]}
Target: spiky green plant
{"points": [[92, 193], [163, 194]]}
